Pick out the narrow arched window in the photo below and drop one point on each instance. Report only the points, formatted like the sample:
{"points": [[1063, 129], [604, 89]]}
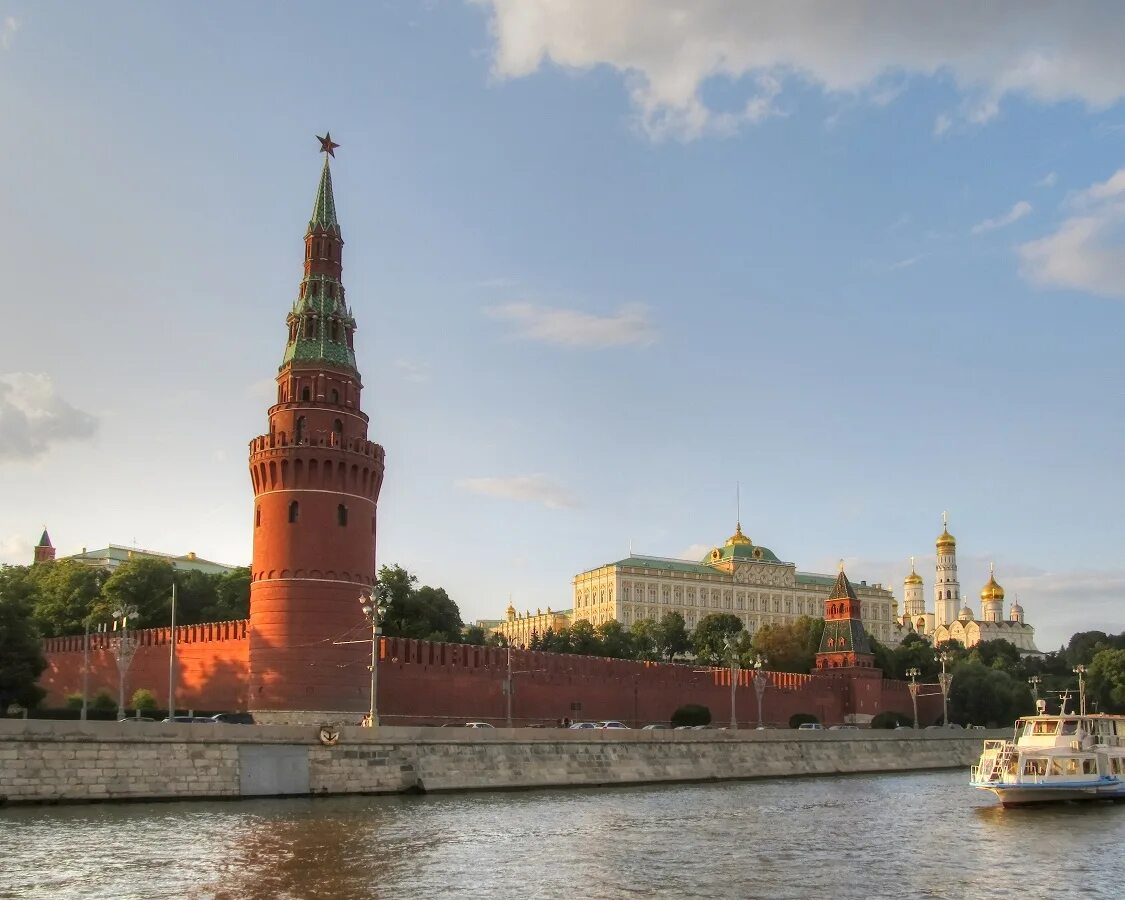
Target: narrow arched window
{"points": [[341, 515], [300, 436], [294, 511], [335, 395], [306, 394], [258, 517], [338, 427]]}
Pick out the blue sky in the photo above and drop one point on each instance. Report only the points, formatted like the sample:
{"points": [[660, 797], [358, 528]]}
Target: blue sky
{"points": [[608, 260]]}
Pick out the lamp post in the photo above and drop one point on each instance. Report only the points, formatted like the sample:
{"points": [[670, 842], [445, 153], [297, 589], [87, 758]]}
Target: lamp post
{"points": [[1035, 681], [912, 674], [124, 647], [1080, 671], [86, 670], [373, 610], [945, 680], [732, 653], [508, 686], [761, 682]]}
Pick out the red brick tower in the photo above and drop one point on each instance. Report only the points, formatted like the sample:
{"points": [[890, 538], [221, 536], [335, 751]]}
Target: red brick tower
{"points": [[844, 643], [44, 550], [316, 481]]}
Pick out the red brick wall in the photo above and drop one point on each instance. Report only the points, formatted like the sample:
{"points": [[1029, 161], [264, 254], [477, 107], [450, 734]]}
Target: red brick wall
{"points": [[424, 682]]}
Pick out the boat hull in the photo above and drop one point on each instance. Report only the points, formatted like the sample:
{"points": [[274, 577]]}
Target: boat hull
{"points": [[1026, 795]]}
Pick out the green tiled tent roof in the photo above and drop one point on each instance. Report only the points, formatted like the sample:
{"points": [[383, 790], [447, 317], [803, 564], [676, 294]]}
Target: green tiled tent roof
{"points": [[324, 207]]}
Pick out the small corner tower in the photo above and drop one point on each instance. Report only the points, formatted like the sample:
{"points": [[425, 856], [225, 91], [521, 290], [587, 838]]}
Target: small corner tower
{"points": [[44, 550], [316, 481], [947, 590], [844, 642]]}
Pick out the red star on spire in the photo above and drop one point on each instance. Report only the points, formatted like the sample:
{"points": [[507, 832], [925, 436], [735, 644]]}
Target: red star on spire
{"points": [[327, 145]]}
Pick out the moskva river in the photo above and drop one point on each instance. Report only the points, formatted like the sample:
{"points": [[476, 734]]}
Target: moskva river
{"points": [[924, 835]]}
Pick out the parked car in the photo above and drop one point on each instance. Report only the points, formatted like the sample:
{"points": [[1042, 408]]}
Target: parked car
{"points": [[610, 724], [904, 728], [841, 727], [478, 725], [137, 719], [810, 726], [234, 718], [181, 720], [656, 726], [583, 725]]}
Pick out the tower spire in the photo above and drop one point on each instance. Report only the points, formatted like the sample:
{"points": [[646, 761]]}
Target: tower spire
{"points": [[324, 206]]}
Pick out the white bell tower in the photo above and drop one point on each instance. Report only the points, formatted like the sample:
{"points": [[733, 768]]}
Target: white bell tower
{"points": [[947, 590]]}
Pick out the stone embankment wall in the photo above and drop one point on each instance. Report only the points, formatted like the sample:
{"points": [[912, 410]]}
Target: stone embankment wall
{"points": [[50, 762]]}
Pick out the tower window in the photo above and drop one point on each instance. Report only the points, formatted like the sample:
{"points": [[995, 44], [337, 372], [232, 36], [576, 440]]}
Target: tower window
{"points": [[338, 427], [294, 511], [341, 515], [335, 395], [258, 517], [306, 394], [300, 436]]}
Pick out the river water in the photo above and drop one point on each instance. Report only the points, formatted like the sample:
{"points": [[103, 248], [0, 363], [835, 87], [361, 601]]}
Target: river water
{"points": [[916, 835]]}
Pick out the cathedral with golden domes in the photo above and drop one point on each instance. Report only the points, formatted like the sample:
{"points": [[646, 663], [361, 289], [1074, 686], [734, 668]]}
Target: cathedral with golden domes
{"points": [[951, 620]]}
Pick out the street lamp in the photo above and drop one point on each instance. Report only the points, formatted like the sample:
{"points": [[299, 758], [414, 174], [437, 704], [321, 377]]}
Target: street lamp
{"points": [[913, 674], [1080, 671], [945, 680], [374, 610], [732, 651], [1035, 681], [124, 647], [761, 682]]}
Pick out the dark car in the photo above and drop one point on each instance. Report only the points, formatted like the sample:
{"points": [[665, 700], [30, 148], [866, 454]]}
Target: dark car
{"points": [[233, 718], [188, 720]]}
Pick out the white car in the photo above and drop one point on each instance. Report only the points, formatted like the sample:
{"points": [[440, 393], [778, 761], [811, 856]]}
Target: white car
{"points": [[611, 723], [478, 725], [810, 726], [584, 725]]}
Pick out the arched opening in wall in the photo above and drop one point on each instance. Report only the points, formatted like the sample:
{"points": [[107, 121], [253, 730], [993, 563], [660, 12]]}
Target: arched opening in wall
{"points": [[258, 517], [285, 473], [328, 473], [342, 515], [355, 478], [294, 511], [299, 437], [273, 475], [338, 430], [335, 396], [363, 481], [313, 471], [298, 473]]}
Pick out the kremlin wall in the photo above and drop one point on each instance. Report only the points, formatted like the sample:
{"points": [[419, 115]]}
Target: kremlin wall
{"points": [[303, 654]]}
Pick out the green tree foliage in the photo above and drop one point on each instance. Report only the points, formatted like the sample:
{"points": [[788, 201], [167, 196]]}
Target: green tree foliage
{"points": [[416, 612], [143, 584], [798, 719], [474, 634], [672, 636], [1107, 680], [617, 643], [21, 660], [104, 700], [983, 696], [709, 640], [66, 595], [999, 654], [646, 640], [584, 639], [1083, 645], [792, 647], [691, 714], [143, 699], [889, 719]]}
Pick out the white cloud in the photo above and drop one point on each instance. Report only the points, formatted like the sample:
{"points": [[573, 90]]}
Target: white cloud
{"points": [[525, 488], [1017, 212], [942, 124], [16, 550], [667, 50], [573, 328], [1060, 604], [8, 29], [1086, 252], [33, 418], [1047, 180]]}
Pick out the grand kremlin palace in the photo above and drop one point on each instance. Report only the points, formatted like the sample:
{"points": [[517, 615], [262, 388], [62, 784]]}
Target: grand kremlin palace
{"points": [[739, 577]]}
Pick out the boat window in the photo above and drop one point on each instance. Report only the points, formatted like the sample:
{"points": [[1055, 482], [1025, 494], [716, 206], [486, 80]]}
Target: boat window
{"points": [[1057, 766], [1070, 727], [1089, 767], [1048, 727], [1072, 766], [1035, 766]]}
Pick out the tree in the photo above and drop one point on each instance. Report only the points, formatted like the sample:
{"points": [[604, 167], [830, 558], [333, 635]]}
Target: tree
{"points": [[709, 640], [1107, 680], [232, 596], [691, 714], [987, 696], [416, 612], [999, 654], [646, 640], [616, 642], [66, 595], [789, 648], [474, 634], [1083, 645], [143, 584], [672, 637], [21, 659], [584, 640], [143, 699]]}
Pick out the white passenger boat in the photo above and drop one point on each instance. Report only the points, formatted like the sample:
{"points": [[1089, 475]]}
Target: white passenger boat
{"points": [[1053, 758]]}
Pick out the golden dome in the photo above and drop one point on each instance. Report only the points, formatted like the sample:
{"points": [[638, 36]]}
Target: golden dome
{"points": [[992, 590], [738, 537], [511, 611], [945, 539]]}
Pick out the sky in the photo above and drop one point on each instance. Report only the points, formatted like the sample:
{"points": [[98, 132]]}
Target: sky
{"points": [[613, 263]]}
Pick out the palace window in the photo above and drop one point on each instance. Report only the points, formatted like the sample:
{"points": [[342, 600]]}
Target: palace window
{"points": [[294, 511], [341, 515]]}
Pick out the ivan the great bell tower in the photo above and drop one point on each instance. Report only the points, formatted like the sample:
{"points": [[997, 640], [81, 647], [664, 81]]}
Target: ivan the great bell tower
{"points": [[316, 481]]}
